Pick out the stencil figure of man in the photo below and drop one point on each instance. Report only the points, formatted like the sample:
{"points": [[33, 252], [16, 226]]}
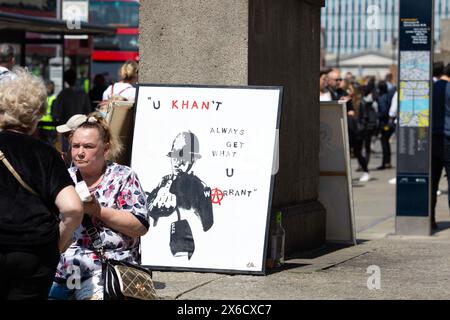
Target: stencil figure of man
{"points": [[184, 193]]}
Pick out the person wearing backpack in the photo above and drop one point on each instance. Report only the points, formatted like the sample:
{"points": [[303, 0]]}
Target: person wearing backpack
{"points": [[366, 125], [123, 89]]}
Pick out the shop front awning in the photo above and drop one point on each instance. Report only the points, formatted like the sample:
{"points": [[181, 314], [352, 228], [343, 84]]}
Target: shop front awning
{"points": [[26, 23]]}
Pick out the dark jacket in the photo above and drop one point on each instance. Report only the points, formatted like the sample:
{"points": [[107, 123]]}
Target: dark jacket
{"points": [[69, 102], [384, 103], [438, 114]]}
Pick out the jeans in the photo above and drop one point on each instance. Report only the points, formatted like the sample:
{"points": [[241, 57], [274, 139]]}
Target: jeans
{"points": [[88, 289], [357, 152], [385, 145]]}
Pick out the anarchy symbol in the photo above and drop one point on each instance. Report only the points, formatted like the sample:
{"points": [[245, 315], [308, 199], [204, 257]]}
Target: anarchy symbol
{"points": [[216, 196]]}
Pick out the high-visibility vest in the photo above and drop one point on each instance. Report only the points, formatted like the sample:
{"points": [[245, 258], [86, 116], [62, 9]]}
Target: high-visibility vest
{"points": [[48, 116], [87, 86]]}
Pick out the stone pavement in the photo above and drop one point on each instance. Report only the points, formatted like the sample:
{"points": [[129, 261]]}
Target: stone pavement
{"points": [[409, 267]]}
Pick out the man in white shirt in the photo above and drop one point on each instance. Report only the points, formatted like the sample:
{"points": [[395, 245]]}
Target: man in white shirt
{"points": [[7, 61], [325, 94]]}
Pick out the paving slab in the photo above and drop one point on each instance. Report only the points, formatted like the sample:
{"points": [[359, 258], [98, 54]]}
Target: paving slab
{"points": [[409, 267]]}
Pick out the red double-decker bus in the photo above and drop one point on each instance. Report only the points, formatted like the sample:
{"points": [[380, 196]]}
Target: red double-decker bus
{"points": [[110, 52]]}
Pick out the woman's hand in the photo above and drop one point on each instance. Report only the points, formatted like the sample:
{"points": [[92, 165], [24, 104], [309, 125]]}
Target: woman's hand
{"points": [[93, 207], [119, 220]]}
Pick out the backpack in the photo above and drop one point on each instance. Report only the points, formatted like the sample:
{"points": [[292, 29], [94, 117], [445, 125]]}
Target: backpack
{"points": [[368, 116], [106, 105]]}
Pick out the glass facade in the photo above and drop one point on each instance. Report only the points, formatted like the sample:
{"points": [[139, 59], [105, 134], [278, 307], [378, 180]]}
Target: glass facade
{"points": [[124, 14], [353, 26]]}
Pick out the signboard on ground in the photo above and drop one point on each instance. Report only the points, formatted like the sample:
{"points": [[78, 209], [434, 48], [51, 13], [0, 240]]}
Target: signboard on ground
{"points": [[205, 157], [335, 182]]}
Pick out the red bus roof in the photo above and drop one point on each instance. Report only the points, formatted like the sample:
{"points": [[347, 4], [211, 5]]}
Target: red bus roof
{"points": [[109, 55]]}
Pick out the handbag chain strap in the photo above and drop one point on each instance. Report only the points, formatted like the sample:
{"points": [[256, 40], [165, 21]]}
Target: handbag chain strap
{"points": [[15, 174], [93, 234], [91, 230]]}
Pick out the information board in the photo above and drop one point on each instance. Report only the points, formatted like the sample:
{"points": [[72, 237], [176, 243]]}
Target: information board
{"points": [[413, 138]]}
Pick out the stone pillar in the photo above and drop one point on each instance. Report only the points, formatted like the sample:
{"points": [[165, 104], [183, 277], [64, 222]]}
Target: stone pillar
{"points": [[251, 42], [194, 41]]}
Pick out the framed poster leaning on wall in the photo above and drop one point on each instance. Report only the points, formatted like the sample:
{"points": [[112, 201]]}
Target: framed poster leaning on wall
{"points": [[205, 157]]}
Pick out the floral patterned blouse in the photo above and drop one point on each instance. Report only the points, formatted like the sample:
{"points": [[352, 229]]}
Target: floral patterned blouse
{"points": [[119, 189]]}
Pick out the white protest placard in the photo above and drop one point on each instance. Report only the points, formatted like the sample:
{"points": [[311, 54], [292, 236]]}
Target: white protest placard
{"points": [[205, 157]]}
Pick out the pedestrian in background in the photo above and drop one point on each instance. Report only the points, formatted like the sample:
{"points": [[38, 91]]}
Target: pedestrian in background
{"points": [[96, 93], [124, 89], [128, 74], [438, 70], [7, 61], [47, 128], [366, 124], [325, 94], [70, 101], [338, 93], [440, 146], [31, 234], [386, 127]]}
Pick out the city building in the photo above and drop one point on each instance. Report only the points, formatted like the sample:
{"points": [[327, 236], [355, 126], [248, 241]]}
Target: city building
{"points": [[364, 27]]}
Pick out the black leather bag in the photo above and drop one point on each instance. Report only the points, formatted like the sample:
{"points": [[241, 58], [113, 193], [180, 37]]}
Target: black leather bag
{"points": [[122, 280], [127, 281]]}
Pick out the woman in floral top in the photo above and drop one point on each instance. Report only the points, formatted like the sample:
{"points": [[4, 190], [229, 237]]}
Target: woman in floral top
{"points": [[117, 209]]}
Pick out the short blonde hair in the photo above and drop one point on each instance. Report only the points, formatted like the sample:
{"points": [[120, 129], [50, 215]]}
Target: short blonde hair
{"points": [[100, 123], [23, 101], [128, 70]]}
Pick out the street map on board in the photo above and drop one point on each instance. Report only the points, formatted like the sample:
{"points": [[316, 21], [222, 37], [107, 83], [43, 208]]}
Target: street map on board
{"points": [[414, 65], [414, 103]]}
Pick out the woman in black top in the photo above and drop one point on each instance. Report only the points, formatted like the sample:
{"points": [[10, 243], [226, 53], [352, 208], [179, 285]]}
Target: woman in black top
{"points": [[31, 234]]}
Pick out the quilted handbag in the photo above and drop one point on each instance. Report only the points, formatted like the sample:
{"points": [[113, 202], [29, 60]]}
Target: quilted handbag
{"points": [[122, 280], [126, 281]]}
